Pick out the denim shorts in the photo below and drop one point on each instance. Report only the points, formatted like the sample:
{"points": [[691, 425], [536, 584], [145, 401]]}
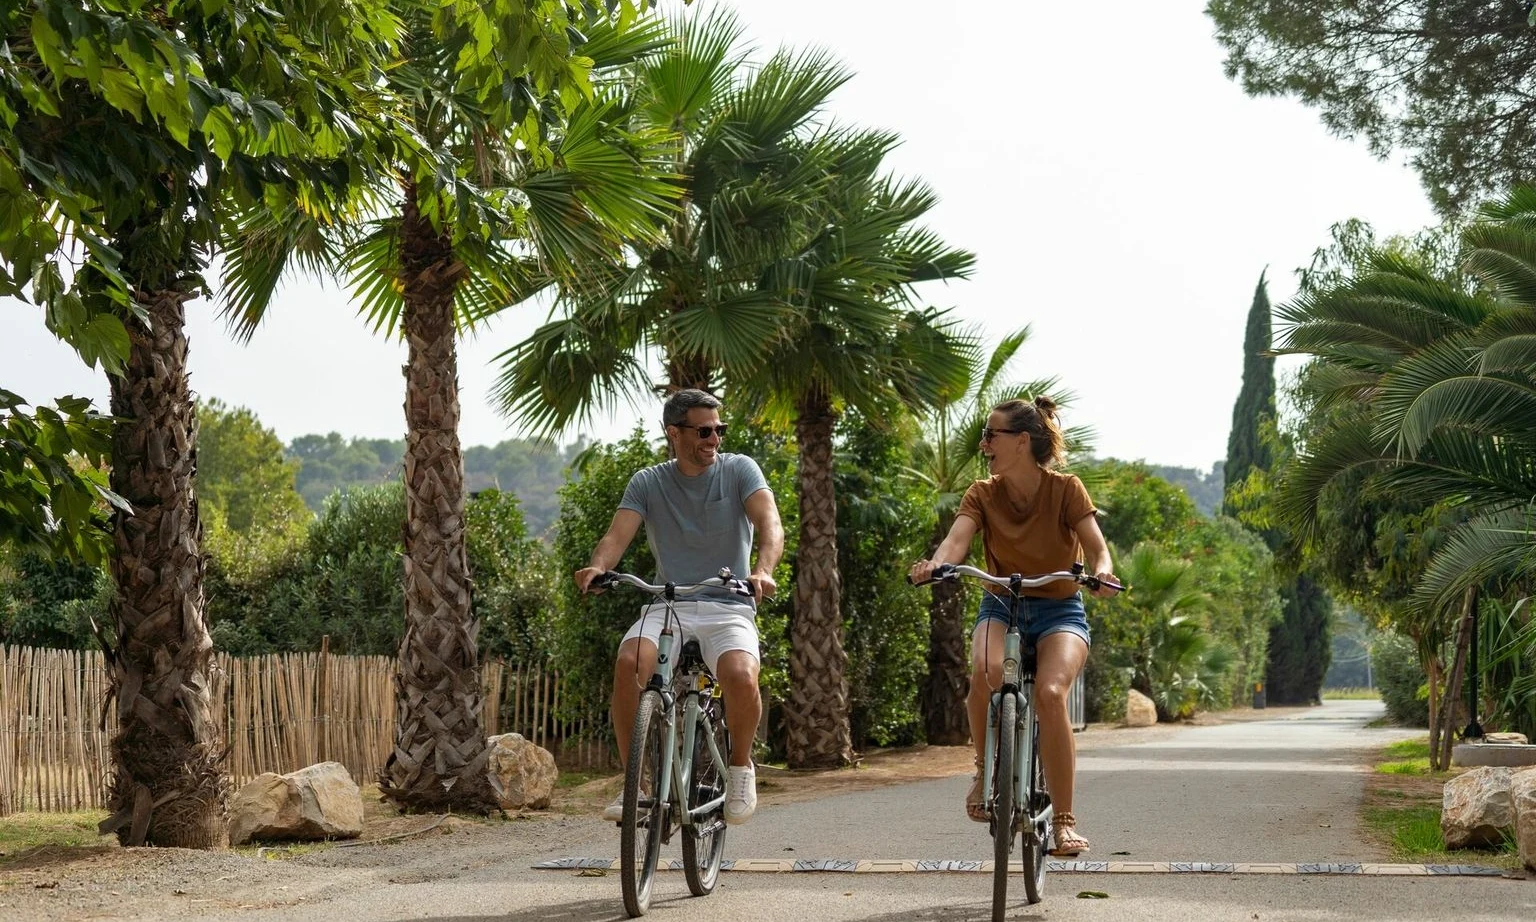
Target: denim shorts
{"points": [[1039, 617]]}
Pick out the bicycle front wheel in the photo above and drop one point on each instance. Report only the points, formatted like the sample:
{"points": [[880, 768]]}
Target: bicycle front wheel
{"points": [[1037, 835], [1003, 799], [645, 815], [704, 841]]}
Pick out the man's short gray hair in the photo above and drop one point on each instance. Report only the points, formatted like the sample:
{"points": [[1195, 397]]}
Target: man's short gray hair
{"points": [[675, 411]]}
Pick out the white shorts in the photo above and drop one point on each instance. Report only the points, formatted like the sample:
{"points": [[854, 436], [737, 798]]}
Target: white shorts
{"points": [[719, 627]]}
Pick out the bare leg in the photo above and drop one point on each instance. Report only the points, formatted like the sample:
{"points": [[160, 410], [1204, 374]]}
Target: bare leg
{"points": [[633, 668], [1059, 658], [986, 675], [737, 673]]}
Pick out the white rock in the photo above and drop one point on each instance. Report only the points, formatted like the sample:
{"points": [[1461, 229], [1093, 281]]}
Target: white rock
{"points": [[1522, 789], [1139, 710], [525, 771], [1515, 739], [1478, 808], [318, 802]]}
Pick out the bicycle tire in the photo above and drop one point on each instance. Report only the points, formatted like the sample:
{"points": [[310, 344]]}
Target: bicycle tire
{"points": [[703, 854], [644, 817], [1003, 800], [1036, 840]]}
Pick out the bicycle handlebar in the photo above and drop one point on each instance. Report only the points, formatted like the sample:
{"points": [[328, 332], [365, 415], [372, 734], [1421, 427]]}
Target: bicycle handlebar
{"points": [[724, 580], [1015, 582]]}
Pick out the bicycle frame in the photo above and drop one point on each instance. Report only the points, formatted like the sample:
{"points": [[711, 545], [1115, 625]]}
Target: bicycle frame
{"points": [[1022, 686], [677, 760]]}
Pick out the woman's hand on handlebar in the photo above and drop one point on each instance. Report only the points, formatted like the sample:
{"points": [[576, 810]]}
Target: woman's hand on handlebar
{"points": [[1109, 584], [922, 571]]}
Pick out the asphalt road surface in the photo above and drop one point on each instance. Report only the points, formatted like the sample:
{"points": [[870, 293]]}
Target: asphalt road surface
{"points": [[1281, 791]]}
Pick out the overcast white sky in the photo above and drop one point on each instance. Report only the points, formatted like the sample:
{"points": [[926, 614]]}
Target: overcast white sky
{"points": [[1121, 194]]}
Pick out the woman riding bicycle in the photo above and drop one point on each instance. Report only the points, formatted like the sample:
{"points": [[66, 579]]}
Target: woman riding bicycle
{"points": [[1033, 519]]}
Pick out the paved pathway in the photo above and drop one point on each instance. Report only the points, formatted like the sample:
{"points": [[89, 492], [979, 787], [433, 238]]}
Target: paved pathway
{"points": [[1282, 790]]}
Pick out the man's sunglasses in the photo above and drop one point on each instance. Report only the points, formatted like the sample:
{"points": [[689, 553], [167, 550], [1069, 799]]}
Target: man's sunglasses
{"points": [[704, 432], [987, 432]]}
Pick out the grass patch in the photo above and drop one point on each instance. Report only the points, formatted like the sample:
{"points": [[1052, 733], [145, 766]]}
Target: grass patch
{"points": [[1406, 757], [22, 832], [1404, 767], [1401, 811], [1408, 749], [573, 779], [1351, 694], [1412, 833]]}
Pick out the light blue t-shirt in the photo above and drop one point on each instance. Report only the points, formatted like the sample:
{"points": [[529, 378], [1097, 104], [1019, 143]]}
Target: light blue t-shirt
{"points": [[696, 525]]}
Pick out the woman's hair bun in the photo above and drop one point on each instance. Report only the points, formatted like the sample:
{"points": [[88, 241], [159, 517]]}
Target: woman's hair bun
{"points": [[1045, 405]]}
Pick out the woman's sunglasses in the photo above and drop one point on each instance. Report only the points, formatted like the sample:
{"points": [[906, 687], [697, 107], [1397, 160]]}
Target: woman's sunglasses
{"points": [[988, 432]]}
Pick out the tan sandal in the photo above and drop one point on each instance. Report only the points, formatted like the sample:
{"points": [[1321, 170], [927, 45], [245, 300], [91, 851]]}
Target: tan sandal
{"points": [[975, 798], [1068, 843]]}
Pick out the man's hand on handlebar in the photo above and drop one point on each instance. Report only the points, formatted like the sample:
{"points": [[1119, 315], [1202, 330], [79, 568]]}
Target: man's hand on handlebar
{"points": [[763, 586], [584, 578]]}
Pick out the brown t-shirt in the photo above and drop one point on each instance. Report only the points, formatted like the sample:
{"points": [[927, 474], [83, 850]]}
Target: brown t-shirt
{"points": [[1030, 536]]}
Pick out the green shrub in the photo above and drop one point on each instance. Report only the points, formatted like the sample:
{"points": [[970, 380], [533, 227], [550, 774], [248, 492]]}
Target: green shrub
{"points": [[588, 628], [1399, 676], [884, 520], [47, 603], [515, 592]]}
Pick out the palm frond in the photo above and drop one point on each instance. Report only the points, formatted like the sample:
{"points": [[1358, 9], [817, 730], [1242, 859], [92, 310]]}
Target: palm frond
{"points": [[1500, 547], [1346, 446], [258, 253], [1002, 354], [566, 372], [1503, 256], [372, 266]]}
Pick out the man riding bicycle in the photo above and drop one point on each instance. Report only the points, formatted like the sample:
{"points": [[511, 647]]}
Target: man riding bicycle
{"points": [[700, 511]]}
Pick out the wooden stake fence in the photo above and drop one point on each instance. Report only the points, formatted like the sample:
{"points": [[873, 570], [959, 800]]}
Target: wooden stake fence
{"points": [[282, 712]]}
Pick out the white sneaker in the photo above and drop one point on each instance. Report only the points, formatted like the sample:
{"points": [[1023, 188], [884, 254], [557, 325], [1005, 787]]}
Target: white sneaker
{"points": [[614, 812], [741, 794]]}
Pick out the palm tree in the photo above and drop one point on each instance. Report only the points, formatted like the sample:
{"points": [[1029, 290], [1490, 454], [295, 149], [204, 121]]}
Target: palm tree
{"points": [[497, 195], [1430, 400], [1167, 648], [855, 341], [706, 296], [140, 131], [1427, 386], [947, 461]]}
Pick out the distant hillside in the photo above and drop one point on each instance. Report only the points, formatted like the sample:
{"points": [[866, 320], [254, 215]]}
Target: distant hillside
{"points": [[533, 472], [1204, 489]]}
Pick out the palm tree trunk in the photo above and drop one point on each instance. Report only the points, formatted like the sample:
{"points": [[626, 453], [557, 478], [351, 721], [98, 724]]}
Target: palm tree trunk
{"points": [[440, 756], [168, 785], [817, 715], [949, 680]]}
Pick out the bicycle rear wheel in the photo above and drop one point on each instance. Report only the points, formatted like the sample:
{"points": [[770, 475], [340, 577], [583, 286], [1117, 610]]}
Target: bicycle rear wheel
{"points": [[704, 842], [1002, 800], [1037, 835], [645, 815]]}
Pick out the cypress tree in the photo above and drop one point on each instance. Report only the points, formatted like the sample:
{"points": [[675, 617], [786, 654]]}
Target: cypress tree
{"points": [[1299, 644], [1256, 399]]}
